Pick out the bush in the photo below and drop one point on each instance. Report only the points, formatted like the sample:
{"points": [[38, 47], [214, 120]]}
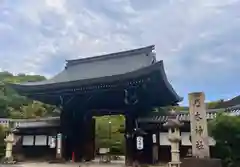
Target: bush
{"points": [[226, 131]]}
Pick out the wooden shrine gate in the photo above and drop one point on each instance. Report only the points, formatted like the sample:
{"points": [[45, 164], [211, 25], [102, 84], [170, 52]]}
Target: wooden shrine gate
{"points": [[131, 81]]}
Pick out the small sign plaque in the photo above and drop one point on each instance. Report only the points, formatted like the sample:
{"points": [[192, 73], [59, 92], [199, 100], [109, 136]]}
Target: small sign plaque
{"points": [[59, 135], [154, 138], [139, 142], [104, 150], [52, 142]]}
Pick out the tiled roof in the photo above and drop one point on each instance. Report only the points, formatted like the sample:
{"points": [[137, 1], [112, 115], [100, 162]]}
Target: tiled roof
{"points": [[127, 53], [104, 66], [234, 111], [232, 102], [184, 116], [22, 123]]}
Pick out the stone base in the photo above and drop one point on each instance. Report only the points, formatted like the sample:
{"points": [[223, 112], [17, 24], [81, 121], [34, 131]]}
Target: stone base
{"points": [[174, 164], [197, 162], [9, 161], [57, 161]]}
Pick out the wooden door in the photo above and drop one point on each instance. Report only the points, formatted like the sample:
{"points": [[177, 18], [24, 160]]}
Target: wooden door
{"points": [[89, 146]]}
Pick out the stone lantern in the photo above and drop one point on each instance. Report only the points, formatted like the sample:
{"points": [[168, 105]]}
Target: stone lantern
{"points": [[174, 137], [9, 140], [9, 145]]}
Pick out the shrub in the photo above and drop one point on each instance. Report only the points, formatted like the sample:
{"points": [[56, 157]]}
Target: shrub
{"points": [[226, 131]]}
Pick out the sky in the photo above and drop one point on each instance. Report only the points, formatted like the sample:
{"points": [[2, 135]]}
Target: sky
{"points": [[198, 40]]}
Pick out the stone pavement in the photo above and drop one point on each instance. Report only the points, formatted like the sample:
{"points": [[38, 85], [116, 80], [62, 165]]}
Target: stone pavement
{"points": [[46, 164]]}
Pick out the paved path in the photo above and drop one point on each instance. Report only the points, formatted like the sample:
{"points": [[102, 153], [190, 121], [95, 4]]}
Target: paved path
{"points": [[45, 164], [42, 164]]}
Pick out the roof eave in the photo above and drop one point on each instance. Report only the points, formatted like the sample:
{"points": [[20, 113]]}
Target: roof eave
{"points": [[158, 66]]}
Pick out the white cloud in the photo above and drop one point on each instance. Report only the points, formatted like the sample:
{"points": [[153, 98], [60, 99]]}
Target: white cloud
{"points": [[190, 36]]}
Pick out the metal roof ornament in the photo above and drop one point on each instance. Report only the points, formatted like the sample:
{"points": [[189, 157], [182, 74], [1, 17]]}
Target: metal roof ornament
{"points": [[130, 98]]}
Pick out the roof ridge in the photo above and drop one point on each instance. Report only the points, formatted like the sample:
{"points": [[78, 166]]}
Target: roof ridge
{"points": [[110, 55]]}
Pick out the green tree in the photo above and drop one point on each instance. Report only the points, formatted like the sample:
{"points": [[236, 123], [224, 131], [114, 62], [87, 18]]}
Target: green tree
{"points": [[226, 131], [33, 110], [15, 106], [108, 134], [2, 142], [214, 104]]}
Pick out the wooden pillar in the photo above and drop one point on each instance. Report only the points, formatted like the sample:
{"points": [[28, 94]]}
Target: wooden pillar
{"points": [[59, 146], [155, 146], [155, 143], [129, 150], [89, 138], [65, 130], [158, 141], [72, 131], [79, 133], [63, 133], [150, 151]]}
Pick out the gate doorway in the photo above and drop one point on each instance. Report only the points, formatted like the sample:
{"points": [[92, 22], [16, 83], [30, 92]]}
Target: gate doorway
{"points": [[100, 132], [109, 137]]}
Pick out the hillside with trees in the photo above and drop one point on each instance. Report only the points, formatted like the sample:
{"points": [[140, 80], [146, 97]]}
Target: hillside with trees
{"points": [[12, 105]]}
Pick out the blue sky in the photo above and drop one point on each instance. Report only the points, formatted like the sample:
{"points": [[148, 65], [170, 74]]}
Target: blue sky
{"points": [[198, 40]]}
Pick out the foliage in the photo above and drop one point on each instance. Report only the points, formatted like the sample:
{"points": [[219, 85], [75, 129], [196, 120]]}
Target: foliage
{"points": [[15, 106], [2, 145], [226, 131], [108, 135], [214, 104]]}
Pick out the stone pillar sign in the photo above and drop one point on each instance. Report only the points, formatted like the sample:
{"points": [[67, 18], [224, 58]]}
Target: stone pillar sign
{"points": [[199, 134], [198, 120]]}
